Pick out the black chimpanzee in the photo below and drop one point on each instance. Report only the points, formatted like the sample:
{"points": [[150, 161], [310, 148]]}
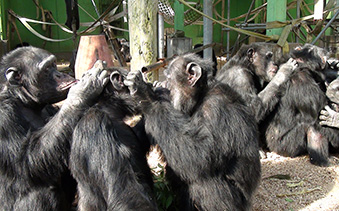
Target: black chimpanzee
{"points": [[206, 133], [292, 128], [107, 159], [254, 75], [35, 145]]}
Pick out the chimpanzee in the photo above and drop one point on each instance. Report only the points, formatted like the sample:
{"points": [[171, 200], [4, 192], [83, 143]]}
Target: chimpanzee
{"points": [[254, 75], [107, 159], [330, 115], [34, 144], [292, 128], [207, 135]]}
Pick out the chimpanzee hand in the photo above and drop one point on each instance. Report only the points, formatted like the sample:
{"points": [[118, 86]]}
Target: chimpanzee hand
{"points": [[288, 67], [329, 117], [285, 71], [137, 86], [89, 86]]}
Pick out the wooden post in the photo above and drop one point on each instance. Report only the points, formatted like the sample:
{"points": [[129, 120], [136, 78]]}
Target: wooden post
{"points": [[143, 34]]}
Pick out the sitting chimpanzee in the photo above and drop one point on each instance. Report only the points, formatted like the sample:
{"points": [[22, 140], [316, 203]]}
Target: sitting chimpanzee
{"points": [[292, 128], [206, 133], [35, 145], [254, 75], [107, 159]]}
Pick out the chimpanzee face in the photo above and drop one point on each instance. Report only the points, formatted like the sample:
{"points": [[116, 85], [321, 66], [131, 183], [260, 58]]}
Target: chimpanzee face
{"points": [[259, 59], [263, 62], [32, 72]]}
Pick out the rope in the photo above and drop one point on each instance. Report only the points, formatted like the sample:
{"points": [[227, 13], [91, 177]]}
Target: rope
{"points": [[253, 34], [92, 26]]}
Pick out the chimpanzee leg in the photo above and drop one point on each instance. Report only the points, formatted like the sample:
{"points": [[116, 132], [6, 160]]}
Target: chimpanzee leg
{"points": [[317, 146]]}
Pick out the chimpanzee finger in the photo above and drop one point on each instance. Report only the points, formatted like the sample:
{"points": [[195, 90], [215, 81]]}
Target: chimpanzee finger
{"points": [[323, 123], [103, 75], [324, 112], [329, 110], [323, 117]]}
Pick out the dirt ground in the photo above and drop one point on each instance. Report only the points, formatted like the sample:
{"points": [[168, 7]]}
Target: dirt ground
{"points": [[295, 184]]}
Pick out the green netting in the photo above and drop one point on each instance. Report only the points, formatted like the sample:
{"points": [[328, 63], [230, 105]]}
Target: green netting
{"points": [[167, 11]]}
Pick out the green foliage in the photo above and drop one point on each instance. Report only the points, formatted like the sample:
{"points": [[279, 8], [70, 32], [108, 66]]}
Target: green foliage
{"points": [[163, 193]]}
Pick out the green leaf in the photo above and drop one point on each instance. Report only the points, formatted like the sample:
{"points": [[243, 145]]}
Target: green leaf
{"points": [[289, 200], [169, 201]]}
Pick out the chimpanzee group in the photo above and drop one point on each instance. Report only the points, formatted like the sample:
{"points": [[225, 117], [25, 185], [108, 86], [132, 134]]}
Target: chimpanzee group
{"points": [[209, 125]]}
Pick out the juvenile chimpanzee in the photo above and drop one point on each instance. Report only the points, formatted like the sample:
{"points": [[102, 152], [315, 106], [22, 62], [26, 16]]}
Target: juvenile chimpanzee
{"points": [[107, 159], [292, 128], [34, 145], [206, 133], [254, 75]]}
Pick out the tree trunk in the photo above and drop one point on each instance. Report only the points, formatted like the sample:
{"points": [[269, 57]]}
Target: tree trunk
{"points": [[143, 34]]}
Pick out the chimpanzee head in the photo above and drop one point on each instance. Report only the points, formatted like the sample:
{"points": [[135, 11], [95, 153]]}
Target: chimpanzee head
{"points": [[187, 79], [259, 59], [310, 56], [30, 74]]}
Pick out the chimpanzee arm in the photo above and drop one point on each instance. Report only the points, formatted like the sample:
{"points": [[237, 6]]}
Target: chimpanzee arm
{"points": [[329, 117], [269, 93], [50, 145]]}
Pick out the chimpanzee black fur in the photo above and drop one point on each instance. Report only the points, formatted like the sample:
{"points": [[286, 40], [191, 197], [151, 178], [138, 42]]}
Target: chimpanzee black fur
{"points": [[250, 71], [292, 128], [34, 145], [107, 159], [329, 116], [208, 136]]}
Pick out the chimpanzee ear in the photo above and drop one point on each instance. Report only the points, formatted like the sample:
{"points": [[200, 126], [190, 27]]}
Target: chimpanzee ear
{"points": [[116, 80], [194, 73], [13, 76], [250, 54]]}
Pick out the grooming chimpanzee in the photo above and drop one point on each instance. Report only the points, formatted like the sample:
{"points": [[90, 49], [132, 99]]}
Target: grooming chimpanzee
{"points": [[107, 159], [292, 128], [254, 75], [206, 133], [35, 145]]}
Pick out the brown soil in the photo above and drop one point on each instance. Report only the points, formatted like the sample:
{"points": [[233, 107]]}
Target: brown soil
{"points": [[309, 188]]}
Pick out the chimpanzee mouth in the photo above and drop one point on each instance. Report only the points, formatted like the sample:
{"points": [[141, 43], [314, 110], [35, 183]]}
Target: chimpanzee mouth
{"points": [[64, 86]]}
